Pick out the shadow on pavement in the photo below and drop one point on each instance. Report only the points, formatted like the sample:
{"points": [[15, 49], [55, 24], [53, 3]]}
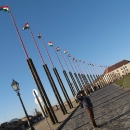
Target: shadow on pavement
{"points": [[112, 98], [115, 118], [106, 95]]}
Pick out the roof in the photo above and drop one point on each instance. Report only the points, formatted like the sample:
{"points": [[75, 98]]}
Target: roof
{"points": [[116, 66], [15, 119]]}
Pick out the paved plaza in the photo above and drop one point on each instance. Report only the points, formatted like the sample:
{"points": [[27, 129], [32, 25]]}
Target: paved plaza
{"points": [[42, 125], [111, 109]]}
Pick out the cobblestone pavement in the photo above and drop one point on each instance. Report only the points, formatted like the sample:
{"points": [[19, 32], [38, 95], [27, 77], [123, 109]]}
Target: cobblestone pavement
{"points": [[111, 110]]}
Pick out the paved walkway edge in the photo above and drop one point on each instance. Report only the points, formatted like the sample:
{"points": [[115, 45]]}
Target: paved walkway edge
{"points": [[61, 125]]}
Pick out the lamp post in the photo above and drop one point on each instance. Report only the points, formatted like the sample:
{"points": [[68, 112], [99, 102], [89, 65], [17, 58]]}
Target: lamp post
{"points": [[15, 86]]}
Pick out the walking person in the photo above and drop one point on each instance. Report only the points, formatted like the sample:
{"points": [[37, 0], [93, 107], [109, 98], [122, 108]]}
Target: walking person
{"points": [[88, 107]]}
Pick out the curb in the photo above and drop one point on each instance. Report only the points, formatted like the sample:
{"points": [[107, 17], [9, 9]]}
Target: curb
{"points": [[61, 125]]}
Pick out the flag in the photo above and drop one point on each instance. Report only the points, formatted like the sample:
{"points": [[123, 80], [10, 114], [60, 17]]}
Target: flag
{"points": [[69, 55], [57, 49], [50, 43], [26, 26], [91, 64], [80, 61], [65, 51], [73, 58], [4, 8], [39, 35]]}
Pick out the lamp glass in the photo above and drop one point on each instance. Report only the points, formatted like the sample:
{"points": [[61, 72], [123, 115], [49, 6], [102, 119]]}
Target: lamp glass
{"points": [[15, 85]]}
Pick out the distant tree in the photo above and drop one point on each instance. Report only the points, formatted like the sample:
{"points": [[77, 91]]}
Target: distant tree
{"points": [[38, 114], [33, 113]]}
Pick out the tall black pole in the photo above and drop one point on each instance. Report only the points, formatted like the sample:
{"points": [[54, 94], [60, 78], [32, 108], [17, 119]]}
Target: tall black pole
{"points": [[52, 117], [69, 83], [78, 74], [60, 81], [66, 76], [108, 76], [88, 76], [30, 124], [57, 75], [98, 78], [71, 75], [42, 92], [82, 74], [103, 80], [92, 75], [55, 90], [63, 88]]}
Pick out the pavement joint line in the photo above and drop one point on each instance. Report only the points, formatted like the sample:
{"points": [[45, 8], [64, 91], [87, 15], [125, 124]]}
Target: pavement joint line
{"points": [[112, 99], [105, 96], [111, 90], [62, 124]]}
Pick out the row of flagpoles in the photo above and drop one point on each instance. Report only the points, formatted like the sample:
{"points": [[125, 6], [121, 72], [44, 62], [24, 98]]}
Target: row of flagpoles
{"points": [[82, 75]]}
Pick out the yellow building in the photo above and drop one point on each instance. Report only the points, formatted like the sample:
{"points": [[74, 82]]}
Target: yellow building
{"points": [[117, 71]]}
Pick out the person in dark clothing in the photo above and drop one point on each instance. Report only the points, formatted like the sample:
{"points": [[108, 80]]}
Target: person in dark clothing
{"points": [[88, 107]]}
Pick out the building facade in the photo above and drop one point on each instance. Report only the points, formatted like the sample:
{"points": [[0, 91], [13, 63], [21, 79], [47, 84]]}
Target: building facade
{"points": [[117, 71]]}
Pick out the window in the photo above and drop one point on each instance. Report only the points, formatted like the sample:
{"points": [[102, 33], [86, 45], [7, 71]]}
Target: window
{"points": [[125, 66], [121, 68], [122, 71], [117, 70]]}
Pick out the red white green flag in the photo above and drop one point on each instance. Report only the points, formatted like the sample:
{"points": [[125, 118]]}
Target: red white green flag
{"points": [[69, 55], [65, 51], [50, 44], [26, 26], [4, 8], [39, 35], [57, 49], [73, 58]]}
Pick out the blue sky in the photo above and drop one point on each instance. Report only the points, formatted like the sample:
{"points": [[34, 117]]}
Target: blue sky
{"points": [[91, 30]]}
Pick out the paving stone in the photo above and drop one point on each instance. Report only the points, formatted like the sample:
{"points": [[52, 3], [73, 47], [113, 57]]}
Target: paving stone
{"points": [[111, 110]]}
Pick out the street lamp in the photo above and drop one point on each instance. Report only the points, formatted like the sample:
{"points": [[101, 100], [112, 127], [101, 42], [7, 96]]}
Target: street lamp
{"points": [[15, 86]]}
